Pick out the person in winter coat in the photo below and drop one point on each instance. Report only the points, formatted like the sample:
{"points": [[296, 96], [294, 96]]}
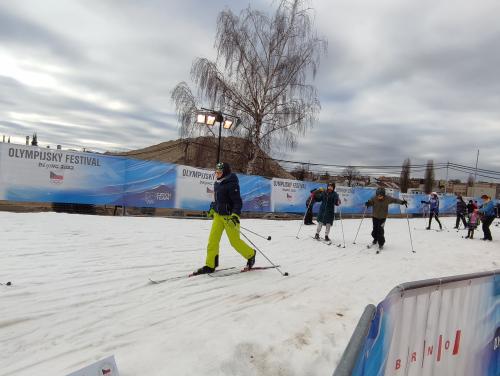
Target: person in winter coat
{"points": [[473, 223], [433, 209], [470, 207], [380, 203], [329, 199], [461, 210], [225, 211], [487, 210], [308, 218]]}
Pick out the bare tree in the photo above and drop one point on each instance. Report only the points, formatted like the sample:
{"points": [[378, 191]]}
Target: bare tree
{"points": [[299, 173], [350, 173], [404, 180], [261, 74], [429, 177]]}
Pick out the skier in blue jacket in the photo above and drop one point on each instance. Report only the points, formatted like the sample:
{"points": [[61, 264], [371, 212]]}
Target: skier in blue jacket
{"points": [[433, 209], [488, 212]]}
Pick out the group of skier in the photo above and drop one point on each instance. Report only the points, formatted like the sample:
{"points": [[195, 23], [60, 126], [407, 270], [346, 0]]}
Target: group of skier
{"points": [[226, 210]]}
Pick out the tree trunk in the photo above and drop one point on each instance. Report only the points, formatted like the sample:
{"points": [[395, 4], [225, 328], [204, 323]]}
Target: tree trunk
{"points": [[255, 164]]}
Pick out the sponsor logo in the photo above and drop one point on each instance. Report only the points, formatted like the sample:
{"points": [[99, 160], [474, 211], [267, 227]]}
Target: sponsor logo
{"points": [[56, 179], [429, 350], [152, 197], [210, 191], [289, 197]]}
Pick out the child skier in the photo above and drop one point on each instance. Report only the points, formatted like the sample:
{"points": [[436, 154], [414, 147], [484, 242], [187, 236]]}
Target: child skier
{"points": [[434, 209], [225, 211], [380, 203], [472, 225], [329, 200]]}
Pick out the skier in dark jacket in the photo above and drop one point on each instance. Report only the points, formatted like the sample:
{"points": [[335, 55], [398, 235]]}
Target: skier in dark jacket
{"points": [[225, 211], [329, 199], [461, 210], [433, 209], [380, 203]]}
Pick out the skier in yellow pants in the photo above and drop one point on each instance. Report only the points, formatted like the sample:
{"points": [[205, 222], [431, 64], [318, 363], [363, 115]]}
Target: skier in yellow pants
{"points": [[225, 210]]}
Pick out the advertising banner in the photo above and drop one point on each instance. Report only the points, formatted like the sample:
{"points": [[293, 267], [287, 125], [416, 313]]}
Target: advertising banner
{"points": [[29, 173], [415, 205], [452, 329], [104, 367], [289, 196], [149, 184], [195, 188], [447, 204], [255, 193]]}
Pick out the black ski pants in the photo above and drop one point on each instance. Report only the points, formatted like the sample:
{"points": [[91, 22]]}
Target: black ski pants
{"points": [[460, 216], [378, 231], [487, 221], [308, 218], [435, 215]]}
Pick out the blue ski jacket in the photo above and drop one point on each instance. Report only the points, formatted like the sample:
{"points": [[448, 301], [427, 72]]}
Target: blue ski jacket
{"points": [[488, 209]]}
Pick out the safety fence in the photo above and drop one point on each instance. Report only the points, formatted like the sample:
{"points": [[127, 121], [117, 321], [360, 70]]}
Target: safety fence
{"points": [[33, 174], [447, 327]]}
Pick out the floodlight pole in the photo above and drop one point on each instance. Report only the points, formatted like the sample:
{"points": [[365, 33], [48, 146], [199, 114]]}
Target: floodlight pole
{"points": [[220, 136]]}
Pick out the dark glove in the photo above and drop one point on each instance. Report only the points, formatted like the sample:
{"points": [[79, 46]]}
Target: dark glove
{"points": [[235, 218], [423, 202], [367, 203], [405, 203]]}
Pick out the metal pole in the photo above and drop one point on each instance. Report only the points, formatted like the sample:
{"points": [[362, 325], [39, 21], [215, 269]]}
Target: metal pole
{"points": [[446, 184], [475, 173], [218, 147]]}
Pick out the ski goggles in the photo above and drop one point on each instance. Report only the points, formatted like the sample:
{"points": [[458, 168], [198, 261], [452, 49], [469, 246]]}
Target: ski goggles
{"points": [[219, 166]]}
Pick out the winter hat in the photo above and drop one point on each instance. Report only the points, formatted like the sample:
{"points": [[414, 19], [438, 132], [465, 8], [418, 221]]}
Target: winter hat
{"points": [[380, 192], [485, 196], [224, 167]]}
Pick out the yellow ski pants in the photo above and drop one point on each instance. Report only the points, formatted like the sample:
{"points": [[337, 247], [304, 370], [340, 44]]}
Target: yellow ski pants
{"points": [[219, 224]]}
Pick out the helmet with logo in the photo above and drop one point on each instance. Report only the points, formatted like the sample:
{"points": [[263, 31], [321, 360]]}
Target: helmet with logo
{"points": [[224, 167]]}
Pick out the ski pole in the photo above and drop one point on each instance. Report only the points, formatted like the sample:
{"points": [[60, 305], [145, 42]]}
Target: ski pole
{"points": [[342, 227], [304, 218], [357, 232], [263, 237], [409, 231], [262, 253]]}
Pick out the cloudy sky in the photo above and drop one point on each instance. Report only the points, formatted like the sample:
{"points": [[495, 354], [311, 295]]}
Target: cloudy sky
{"points": [[417, 79]]}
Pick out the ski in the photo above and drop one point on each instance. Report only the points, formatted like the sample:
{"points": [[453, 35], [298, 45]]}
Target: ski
{"points": [[244, 270], [321, 240], [157, 281]]}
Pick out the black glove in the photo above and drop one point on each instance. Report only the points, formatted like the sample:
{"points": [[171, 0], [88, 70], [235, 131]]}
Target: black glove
{"points": [[367, 203], [235, 218], [423, 202], [405, 203]]}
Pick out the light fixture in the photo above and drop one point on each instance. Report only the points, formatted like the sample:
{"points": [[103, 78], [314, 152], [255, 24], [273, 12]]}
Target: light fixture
{"points": [[201, 118], [211, 119], [228, 124]]}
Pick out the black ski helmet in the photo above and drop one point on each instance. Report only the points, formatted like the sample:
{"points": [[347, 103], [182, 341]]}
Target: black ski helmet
{"points": [[380, 192]]}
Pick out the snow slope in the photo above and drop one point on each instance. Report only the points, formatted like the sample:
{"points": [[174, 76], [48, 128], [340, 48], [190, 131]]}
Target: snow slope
{"points": [[80, 293]]}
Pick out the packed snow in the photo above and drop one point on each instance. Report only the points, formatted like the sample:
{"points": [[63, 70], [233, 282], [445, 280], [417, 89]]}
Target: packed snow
{"points": [[80, 292]]}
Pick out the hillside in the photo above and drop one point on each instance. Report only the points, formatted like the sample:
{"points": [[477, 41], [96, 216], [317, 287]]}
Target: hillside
{"points": [[202, 152]]}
